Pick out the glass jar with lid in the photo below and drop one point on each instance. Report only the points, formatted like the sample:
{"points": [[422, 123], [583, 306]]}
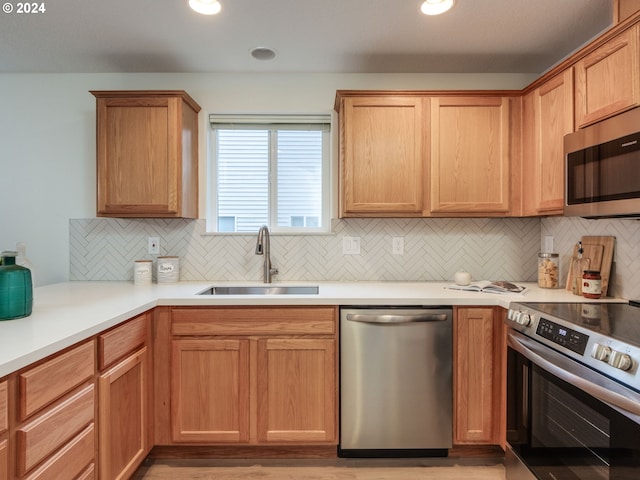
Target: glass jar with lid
{"points": [[591, 284], [548, 270]]}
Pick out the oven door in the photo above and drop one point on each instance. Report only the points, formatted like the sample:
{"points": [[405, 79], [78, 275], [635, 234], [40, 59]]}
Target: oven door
{"points": [[565, 421]]}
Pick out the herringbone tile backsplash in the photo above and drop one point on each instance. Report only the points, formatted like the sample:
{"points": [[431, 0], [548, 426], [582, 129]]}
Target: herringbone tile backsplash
{"points": [[435, 248], [625, 272]]}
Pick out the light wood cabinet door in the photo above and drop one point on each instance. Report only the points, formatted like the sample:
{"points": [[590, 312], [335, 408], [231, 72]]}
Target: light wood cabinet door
{"points": [[297, 390], [478, 377], [382, 157], [210, 390], [147, 154], [608, 79], [469, 155], [123, 419], [548, 117]]}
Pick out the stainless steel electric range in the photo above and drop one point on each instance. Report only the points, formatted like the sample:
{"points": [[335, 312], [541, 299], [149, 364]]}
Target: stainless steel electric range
{"points": [[573, 391]]}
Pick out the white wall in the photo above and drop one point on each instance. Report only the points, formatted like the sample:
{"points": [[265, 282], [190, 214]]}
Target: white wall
{"points": [[47, 137]]}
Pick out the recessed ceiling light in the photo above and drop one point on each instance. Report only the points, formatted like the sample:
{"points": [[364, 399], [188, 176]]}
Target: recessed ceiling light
{"points": [[206, 7], [436, 7], [263, 53]]}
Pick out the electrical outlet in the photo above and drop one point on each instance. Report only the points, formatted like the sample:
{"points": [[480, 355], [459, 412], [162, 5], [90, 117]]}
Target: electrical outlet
{"points": [[351, 246], [547, 244], [397, 245], [153, 245]]}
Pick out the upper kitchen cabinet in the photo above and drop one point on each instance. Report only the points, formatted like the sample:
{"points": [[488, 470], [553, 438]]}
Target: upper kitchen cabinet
{"points": [[147, 153], [608, 79], [381, 155], [548, 117], [470, 155]]}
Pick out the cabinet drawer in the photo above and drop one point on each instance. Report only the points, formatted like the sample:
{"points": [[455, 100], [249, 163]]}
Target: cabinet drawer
{"points": [[47, 382], [4, 416], [115, 344], [43, 435], [4, 459], [71, 460], [253, 321], [89, 473]]}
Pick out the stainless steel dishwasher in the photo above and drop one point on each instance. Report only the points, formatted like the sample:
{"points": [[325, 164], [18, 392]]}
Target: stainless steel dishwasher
{"points": [[395, 381]]}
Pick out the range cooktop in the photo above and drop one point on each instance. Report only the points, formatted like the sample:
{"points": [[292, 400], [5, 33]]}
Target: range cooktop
{"points": [[619, 321], [603, 336]]}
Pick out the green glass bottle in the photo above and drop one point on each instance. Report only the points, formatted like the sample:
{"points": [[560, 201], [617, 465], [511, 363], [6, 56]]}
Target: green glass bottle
{"points": [[16, 288]]}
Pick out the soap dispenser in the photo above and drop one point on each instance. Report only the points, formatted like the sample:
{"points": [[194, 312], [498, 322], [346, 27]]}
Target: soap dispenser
{"points": [[16, 288]]}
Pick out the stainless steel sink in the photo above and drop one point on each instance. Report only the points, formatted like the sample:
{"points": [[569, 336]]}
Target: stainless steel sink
{"points": [[262, 290]]}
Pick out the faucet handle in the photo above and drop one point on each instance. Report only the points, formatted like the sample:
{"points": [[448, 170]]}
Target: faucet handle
{"points": [[273, 271]]}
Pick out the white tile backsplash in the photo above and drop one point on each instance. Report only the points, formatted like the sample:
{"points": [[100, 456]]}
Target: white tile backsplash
{"points": [[434, 249], [625, 273]]}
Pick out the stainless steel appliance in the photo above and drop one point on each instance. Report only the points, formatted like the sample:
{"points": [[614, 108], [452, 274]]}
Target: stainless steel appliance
{"points": [[601, 169], [573, 391], [395, 381]]}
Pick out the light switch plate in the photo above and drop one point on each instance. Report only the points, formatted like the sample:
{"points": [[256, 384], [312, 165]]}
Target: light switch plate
{"points": [[351, 246]]}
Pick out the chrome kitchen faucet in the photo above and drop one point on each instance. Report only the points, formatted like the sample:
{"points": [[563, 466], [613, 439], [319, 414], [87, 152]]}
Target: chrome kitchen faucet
{"points": [[263, 248]]}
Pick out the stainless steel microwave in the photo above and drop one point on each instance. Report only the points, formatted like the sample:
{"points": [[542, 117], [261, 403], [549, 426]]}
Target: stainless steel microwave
{"points": [[602, 168]]}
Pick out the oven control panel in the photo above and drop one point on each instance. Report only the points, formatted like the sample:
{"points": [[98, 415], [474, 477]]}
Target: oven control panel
{"points": [[563, 336]]}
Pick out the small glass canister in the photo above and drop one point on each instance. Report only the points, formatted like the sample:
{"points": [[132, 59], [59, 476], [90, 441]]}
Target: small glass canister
{"points": [[548, 270]]}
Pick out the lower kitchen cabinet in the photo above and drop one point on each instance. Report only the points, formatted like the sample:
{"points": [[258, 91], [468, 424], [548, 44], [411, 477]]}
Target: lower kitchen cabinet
{"points": [[257, 376], [4, 427], [4, 459], [73, 462], [210, 390], [55, 430], [123, 416], [124, 403], [478, 365], [296, 390]]}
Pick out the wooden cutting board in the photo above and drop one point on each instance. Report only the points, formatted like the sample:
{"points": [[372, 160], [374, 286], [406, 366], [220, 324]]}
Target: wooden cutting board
{"points": [[592, 254], [599, 250]]}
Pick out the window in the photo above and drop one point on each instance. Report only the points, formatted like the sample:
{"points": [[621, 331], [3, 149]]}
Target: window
{"points": [[269, 171]]}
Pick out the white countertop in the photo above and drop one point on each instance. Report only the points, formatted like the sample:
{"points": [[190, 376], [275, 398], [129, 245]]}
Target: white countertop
{"points": [[66, 313]]}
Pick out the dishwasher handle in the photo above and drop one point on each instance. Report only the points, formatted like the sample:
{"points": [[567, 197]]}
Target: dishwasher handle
{"points": [[395, 318]]}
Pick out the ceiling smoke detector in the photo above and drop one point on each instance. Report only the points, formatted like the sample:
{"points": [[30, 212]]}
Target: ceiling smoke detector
{"points": [[206, 7], [263, 53], [436, 7]]}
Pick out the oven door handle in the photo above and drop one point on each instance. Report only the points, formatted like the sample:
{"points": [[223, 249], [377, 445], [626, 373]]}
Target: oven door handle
{"points": [[615, 395]]}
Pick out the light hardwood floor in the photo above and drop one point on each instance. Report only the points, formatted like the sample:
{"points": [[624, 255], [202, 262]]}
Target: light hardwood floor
{"points": [[334, 469]]}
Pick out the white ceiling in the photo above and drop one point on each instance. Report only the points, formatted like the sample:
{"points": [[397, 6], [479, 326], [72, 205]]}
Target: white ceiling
{"points": [[333, 36]]}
